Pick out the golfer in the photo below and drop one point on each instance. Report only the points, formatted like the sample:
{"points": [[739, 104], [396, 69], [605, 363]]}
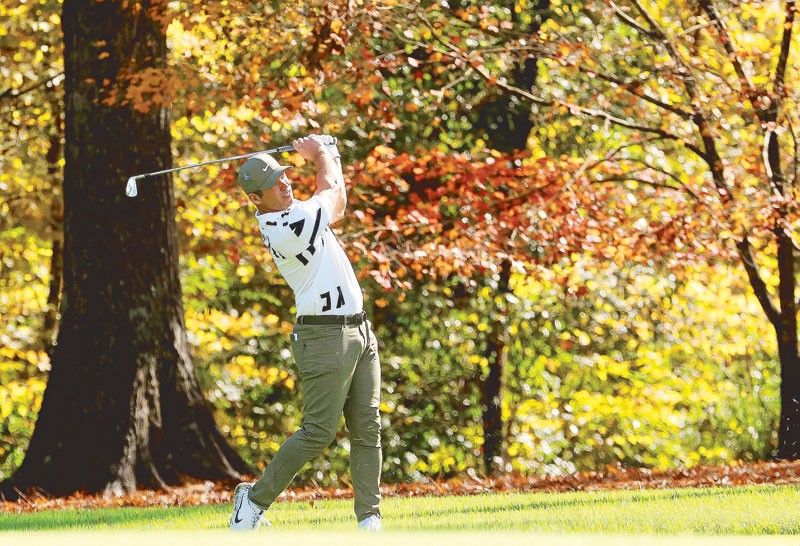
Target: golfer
{"points": [[334, 348]]}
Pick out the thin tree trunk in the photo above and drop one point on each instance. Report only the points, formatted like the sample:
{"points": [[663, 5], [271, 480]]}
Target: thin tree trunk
{"points": [[789, 424], [492, 386], [122, 407]]}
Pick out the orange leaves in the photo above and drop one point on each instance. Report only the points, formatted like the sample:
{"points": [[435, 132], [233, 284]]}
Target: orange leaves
{"points": [[438, 214], [135, 83], [150, 88], [612, 478]]}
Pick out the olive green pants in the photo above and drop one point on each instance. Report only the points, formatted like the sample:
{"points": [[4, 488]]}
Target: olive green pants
{"points": [[339, 373]]}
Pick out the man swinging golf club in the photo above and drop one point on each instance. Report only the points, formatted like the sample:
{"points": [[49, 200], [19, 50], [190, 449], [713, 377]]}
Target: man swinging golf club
{"points": [[334, 348]]}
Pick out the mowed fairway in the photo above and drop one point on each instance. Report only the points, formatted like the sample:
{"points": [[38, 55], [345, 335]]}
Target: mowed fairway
{"points": [[596, 518]]}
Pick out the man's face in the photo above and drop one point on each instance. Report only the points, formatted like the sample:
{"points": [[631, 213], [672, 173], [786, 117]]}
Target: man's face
{"points": [[278, 197]]}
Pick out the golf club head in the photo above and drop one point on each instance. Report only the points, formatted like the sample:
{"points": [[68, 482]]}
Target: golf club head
{"points": [[131, 190]]}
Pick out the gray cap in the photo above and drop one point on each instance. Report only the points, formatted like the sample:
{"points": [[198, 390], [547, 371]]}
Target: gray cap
{"points": [[260, 172]]}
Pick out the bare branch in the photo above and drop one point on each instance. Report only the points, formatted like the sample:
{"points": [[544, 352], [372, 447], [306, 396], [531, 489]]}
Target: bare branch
{"points": [[710, 154], [439, 93]]}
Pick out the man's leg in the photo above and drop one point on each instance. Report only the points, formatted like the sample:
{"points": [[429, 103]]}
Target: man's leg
{"points": [[325, 357], [363, 420]]}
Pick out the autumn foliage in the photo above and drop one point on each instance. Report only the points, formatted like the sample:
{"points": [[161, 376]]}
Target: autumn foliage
{"points": [[649, 211]]}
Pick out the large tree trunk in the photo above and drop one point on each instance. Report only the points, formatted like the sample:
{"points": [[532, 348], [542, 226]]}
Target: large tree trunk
{"points": [[123, 406], [50, 321]]}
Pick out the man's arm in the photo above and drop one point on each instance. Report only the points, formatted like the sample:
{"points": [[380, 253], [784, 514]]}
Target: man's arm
{"points": [[330, 180]]}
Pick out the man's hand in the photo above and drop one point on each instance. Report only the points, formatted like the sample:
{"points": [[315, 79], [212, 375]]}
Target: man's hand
{"points": [[311, 147]]}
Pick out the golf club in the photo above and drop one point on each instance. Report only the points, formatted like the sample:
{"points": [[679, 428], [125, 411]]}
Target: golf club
{"points": [[132, 190]]}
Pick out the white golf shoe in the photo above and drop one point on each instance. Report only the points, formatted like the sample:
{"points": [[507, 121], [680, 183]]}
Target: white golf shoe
{"points": [[246, 515], [372, 524]]}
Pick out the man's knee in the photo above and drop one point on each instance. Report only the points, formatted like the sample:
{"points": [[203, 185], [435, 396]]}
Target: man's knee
{"points": [[318, 436], [364, 423]]}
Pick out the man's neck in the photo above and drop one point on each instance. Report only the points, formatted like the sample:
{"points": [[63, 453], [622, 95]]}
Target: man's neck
{"points": [[265, 210]]}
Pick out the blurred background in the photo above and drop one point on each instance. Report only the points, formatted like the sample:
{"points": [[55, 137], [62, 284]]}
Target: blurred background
{"points": [[548, 204]]}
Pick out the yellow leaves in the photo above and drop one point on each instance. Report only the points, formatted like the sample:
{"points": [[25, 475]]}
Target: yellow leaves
{"points": [[201, 123], [271, 320], [245, 361], [755, 42], [383, 151], [245, 272]]}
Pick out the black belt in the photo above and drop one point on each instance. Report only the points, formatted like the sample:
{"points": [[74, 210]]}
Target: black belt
{"points": [[344, 320]]}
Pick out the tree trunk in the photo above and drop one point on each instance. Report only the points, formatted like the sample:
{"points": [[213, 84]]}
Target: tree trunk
{"points": [[507, 124], [123, 406], [493, 384], [506, 121], [50, 321], [789, 424]]}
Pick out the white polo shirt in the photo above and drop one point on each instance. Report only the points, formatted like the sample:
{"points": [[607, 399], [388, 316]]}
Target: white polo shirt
{"points": [[309, 257]]}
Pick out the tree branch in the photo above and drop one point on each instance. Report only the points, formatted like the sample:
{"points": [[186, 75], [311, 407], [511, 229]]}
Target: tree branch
{"points": [[725, 38], [759, 286], [666, 173], [480, 68], [786, 43], [710, 154], [796, 158], [12, 93], [630, 21], [628, 178], [631, 85]]}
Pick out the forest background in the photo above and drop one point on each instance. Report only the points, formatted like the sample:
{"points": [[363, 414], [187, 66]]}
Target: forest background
{"points": [[573, 240]]}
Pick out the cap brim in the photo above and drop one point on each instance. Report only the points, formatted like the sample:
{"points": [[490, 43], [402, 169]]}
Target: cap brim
{"points": [[273, 179]]}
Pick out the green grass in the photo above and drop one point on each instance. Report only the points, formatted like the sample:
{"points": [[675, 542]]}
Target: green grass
{"points": [[615, 517]]}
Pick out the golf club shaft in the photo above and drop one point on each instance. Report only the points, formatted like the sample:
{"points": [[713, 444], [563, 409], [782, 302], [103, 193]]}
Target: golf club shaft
{"points": [[279, 149], [132, 190]]}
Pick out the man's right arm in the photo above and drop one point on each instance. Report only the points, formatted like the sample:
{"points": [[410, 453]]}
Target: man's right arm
{"points": [[330, 181]]}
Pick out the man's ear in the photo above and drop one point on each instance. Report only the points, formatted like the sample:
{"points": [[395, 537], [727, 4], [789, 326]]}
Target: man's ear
{"points": [[254, 198]]}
